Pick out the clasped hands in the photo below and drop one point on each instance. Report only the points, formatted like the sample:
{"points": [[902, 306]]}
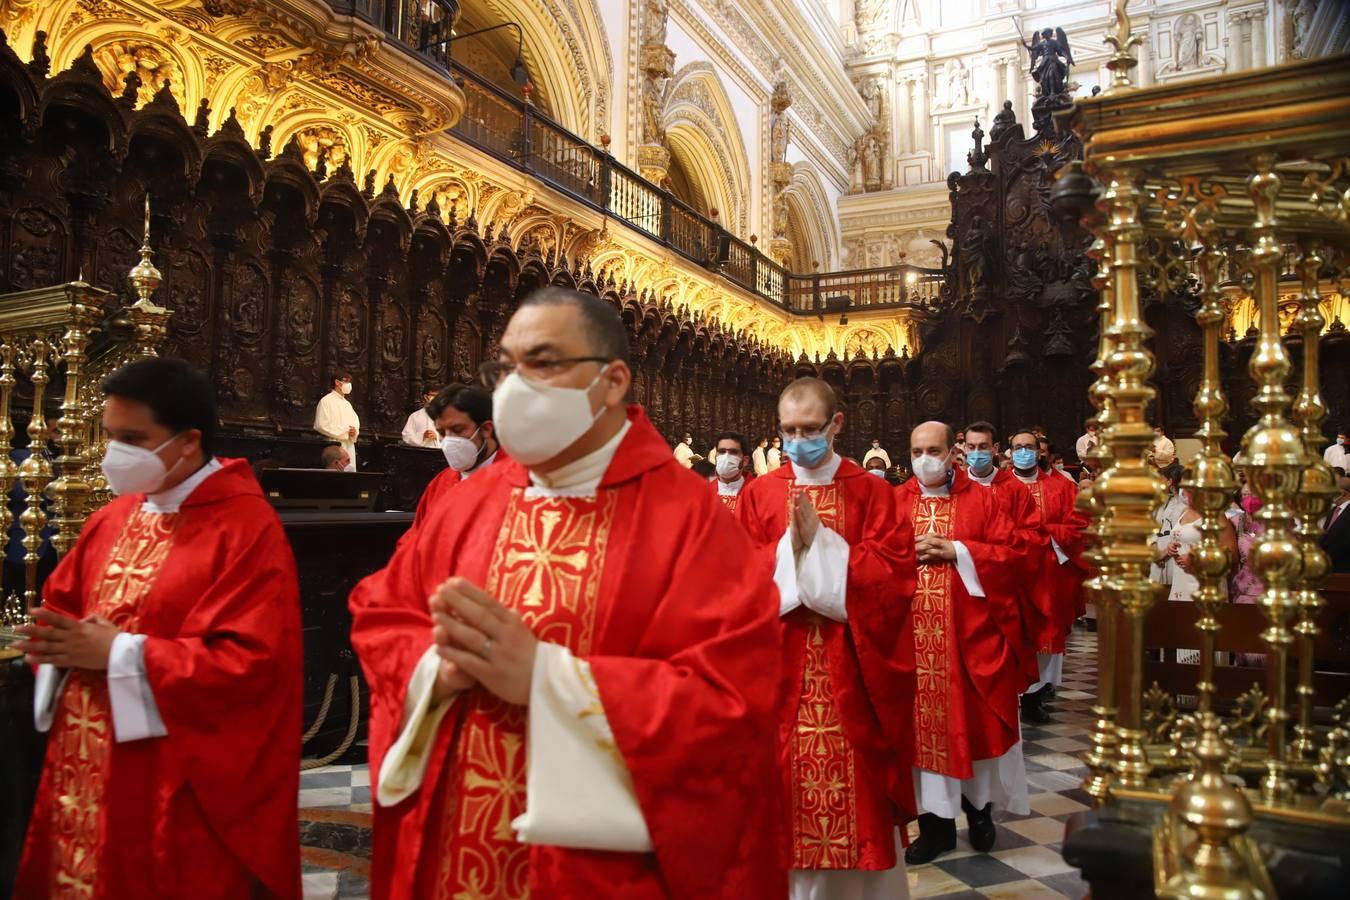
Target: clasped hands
{"points": [[66, 642], [803, 521], [480, 641], [929, 549]]}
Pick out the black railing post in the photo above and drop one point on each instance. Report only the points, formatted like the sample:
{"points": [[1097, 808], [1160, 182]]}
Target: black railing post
{"points": [[606, 180], [666, 210], [527, 134]]}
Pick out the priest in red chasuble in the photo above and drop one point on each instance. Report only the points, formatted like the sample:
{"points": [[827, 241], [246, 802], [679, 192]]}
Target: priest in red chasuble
{"points": [[731, 461], [169, 670], [967, 745], [572, 669], [462, 416], [1029, 628], [1062, 571], [841, 565]]}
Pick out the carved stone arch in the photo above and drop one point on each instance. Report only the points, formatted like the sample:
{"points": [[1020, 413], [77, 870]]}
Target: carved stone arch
{"points": [[705, 138], [566, 50], [811, 221], [120, 51], [320, 138]]}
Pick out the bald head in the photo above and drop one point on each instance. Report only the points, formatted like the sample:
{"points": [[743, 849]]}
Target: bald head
{"points": [[934, 435]]}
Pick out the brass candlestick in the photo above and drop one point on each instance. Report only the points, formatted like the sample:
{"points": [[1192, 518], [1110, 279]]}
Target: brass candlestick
{"points": [[35, 472], [148, 321], [70, 492], [1313, 498], [1130, 490], [1101, 758], [1276, 461]]}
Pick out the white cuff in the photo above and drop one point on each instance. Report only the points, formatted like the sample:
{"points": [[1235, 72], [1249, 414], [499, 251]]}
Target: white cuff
{"points": [[46, 691], [406, 762], [135, 716], [822, 575], [785, 575], [965, 567], [579, 792], [1060, 555]]}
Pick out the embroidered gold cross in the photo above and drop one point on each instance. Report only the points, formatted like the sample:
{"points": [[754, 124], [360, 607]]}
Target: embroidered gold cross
{"points": [[85, 722], [502, 781], [542, 554]]}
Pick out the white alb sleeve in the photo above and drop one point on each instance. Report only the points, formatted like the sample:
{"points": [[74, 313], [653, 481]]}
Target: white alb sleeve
{"points": [[405, 764], [1060, 555], [965, 567], [49, 683], [785, 575], [578, 790], [135, 715], [822, 575]]}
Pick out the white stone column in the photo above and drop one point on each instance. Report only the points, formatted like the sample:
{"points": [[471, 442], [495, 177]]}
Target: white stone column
{"points": [[1244, 25], [1145, 61], [918, 96], [900, 115], [1015, 89], [1259, 38]]}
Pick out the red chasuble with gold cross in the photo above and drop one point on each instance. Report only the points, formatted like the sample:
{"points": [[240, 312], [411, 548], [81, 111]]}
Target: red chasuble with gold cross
{"points": [[967, 673], [1061, 584], [1031, 624], [645, 582], [844, 724], [209, 809]]}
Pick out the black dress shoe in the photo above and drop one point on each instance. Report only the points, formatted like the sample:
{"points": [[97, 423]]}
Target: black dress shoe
{"points": [[981, 825], [1033, 709], [936, 836]]}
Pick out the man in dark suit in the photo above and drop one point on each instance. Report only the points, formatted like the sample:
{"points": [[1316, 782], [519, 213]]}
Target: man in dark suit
{"points": [[1336, 537]]}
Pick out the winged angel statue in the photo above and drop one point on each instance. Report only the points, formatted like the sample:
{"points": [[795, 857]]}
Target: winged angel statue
{"points": [[1050, 60]]}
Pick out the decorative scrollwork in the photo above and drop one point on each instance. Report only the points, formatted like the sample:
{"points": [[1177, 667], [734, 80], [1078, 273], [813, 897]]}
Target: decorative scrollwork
{"points": [[1160, 714], [1331, 201]]}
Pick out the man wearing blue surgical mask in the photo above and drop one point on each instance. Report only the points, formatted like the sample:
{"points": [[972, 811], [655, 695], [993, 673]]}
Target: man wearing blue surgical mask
{"points": [[550, 596], [840, 565], [961, 635]]}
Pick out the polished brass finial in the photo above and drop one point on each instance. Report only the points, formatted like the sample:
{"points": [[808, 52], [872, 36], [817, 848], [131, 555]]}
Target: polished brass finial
{"points": [[144, 277], [1122, 61]]}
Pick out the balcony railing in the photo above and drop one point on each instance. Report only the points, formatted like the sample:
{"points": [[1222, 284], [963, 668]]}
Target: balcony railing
{"points": [[424, 26], [514, 131]]}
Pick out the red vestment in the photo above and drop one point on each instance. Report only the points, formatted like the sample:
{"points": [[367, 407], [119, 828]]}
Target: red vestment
{"points": [[211, 807], [1055, 497], [1035, 624], [644, 581], [844, 722], [439, 486], [728, 500], [966, 699]]}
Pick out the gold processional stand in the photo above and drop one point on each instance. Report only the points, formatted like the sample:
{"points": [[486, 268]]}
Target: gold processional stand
{"points": [[71, 335], [1235, 180]]}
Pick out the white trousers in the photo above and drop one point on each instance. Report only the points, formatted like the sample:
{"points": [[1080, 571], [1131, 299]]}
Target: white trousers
{"points": [[1052, 670], [1001, 781], [851, 884]]}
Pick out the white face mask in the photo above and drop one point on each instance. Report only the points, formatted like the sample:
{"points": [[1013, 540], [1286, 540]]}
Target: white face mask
{"points": [[346, 387], [728, 466], [135, 470], [880, 473], [536, 422], [930, 470], [460, 453]]}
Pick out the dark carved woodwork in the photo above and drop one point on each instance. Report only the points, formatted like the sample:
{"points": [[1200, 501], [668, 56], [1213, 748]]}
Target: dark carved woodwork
{"points": [[277, 275]]}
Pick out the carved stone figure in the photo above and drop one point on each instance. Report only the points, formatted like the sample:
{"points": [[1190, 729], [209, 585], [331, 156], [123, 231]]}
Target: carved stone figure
{"points": [[958, 83], [1189, 41], [1005, 119], [870, 154], [654, 23], [1050, 61], [779, 138], [976, 249], [653, 109]]}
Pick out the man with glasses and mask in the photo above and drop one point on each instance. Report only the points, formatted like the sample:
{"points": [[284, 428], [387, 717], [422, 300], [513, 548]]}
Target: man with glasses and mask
{"points": [[558, 717], [730, 462], [169, 669], [967, 750], [829, 531], [462, 415], [1062, 575], [1032, 626]]}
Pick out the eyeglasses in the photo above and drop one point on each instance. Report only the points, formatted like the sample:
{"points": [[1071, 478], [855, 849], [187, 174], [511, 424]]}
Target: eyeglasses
{"points": [[803, 434], [493, 373]]}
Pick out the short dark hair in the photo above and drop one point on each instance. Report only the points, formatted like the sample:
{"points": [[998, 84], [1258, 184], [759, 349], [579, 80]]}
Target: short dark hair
{"points": [[732, 436], [180, 396], [1023, 430], [339, 375], [812, 385], [470, 399], [605, 331], [981, 427]]}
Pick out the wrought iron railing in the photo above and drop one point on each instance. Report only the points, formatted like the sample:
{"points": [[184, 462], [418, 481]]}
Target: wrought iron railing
{"points": [[516, 132]]}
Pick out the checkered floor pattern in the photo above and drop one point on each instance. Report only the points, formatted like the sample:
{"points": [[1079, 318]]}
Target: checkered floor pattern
{"points": [[1025, 863]]}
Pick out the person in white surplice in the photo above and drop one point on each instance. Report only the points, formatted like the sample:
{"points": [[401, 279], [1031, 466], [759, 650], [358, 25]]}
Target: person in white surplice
{"points": [[335, 419]]}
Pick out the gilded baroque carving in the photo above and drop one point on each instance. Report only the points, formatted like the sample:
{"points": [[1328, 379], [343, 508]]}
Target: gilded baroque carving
{"points": [[152, 65]]}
